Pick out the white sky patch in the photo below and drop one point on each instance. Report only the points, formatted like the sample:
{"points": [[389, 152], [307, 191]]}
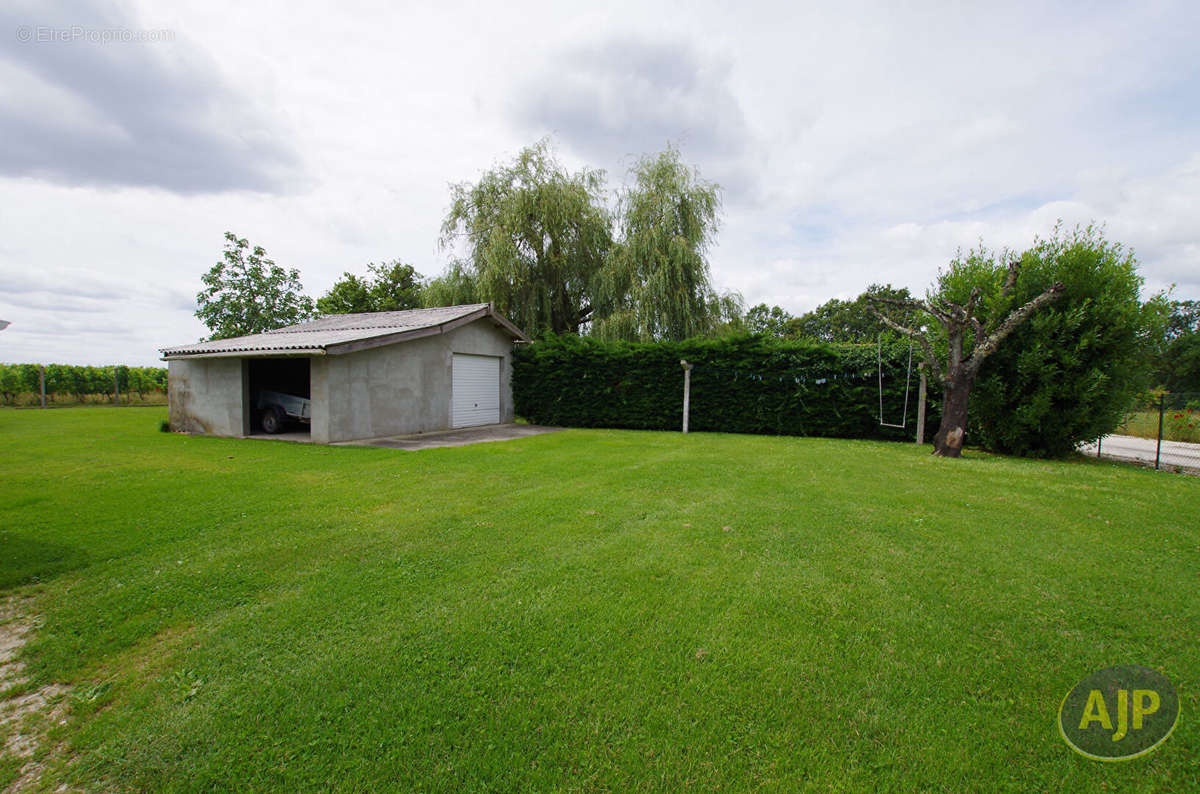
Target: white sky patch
{"points": [[857, 143]]}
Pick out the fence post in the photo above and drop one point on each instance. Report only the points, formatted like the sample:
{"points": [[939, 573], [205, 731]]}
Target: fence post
{"points": [[1162, 400], [42, 382], [1099, 441], [116, 387], [687, 389], [921, 406]]}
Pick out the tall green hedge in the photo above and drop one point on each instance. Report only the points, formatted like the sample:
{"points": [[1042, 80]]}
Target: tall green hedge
{"points": [[738, 385]]}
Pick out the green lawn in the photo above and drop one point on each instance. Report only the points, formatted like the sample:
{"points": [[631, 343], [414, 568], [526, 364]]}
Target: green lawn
{"points": [[585, 611]]}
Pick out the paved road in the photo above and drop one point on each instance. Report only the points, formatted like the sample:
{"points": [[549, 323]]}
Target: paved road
{"points": [[1174, 453]]}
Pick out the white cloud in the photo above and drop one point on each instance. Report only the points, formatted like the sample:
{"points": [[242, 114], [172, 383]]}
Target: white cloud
{"points": [[859, 142], [615, 99], [86, 111]]}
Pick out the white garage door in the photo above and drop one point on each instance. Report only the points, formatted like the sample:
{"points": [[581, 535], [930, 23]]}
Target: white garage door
{"points": [[475, 383]]}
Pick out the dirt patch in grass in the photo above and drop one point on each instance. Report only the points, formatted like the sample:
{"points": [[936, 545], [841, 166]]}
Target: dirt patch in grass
{"points": [[26, 716]]}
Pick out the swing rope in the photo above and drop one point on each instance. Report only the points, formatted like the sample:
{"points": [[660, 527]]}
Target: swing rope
{"points": [[907, 381]]}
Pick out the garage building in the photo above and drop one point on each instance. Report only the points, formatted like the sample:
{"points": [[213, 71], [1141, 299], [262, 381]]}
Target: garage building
{"points": [[350, 376]]}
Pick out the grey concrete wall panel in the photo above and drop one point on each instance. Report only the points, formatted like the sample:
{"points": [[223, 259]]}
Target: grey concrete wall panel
{"points": [[206, 396]]}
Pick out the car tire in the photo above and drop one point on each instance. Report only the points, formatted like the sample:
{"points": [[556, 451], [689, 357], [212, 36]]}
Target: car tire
{"points": [[273, 419]]}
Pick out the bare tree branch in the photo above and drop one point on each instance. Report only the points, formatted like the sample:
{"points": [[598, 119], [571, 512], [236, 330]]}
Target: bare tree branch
{"points": [[1014, 319], [904, 303], [980, 333], [930, 359], [973, 302], [944, 314], [1010, 281], [911, 304]]}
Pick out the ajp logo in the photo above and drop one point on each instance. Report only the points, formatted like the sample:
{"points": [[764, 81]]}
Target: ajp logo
{"points": [[1119, 713]]}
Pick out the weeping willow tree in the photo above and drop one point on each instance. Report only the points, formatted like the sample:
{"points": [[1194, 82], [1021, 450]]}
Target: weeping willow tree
{"points": [[538, 242], [655, 284], [454, 287], [534, 238]]}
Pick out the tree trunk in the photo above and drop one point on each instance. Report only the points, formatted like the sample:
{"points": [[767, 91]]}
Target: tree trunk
{"points": [[959, 320], [952, 432]]}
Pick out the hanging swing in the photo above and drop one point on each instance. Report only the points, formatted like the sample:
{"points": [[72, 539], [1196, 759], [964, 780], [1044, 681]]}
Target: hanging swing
{"points": [[907, 382]]}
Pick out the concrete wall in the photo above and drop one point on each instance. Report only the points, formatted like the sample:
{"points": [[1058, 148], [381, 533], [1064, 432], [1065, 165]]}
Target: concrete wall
{"points": [[403, 388], [206, 395]]}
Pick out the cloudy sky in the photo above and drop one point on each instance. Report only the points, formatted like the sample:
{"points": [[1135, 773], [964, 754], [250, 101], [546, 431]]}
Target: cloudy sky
{"points": [[855, 143]]}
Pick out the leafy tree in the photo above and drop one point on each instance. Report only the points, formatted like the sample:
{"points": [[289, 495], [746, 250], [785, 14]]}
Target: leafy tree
{"points": [[348, 295], [1183, 318], [388, 287], [139, 381], [768, 321], [534, 237], [87, 380], [726, 314], [656, 283], [18, 379], [1076, 338], [246, 293], [31, 377], [11, 382], [853, 321], [59, 380], [1071, 373], [538, 242], [453, 288], [975, 306], [125, 380], [1177, 366]]}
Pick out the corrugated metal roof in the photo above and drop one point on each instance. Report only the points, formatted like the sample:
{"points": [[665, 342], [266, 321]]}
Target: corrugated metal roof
{"points": [[342, 333], [409, 319]]}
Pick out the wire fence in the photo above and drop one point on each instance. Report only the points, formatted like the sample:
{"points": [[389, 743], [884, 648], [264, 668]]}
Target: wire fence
{"points": [[1162, 431]]}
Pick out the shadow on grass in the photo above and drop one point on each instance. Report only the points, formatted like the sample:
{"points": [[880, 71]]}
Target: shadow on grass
{"points": [[25, 560]]}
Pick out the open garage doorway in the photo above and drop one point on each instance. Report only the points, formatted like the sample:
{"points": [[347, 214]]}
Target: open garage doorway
{"points": [[279, 393]]}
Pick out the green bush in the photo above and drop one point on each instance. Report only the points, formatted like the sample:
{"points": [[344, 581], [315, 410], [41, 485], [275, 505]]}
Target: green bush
{"points": [[743, 384]]}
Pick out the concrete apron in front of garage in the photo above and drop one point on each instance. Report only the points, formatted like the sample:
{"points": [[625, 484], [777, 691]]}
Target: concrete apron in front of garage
{"points": [[298, 436], [453, 438]]}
